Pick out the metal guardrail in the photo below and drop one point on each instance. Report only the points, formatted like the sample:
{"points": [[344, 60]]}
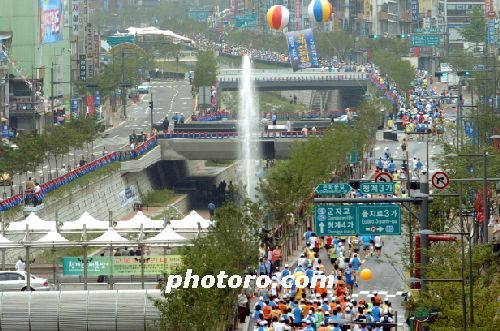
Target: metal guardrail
{"points": [[79, 310], [235, 135]]}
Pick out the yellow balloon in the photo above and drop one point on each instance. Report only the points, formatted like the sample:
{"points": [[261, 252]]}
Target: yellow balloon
{"points": [[366, 274]]}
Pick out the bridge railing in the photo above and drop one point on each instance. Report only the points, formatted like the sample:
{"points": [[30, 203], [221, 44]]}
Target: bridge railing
{"points": [[305, 76], [235, 135]]}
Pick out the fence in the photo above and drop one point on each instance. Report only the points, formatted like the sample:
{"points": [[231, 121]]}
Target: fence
{"points": [[54, 184]]}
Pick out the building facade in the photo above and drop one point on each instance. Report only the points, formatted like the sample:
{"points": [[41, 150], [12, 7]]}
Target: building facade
{"points": [[38, 66]]}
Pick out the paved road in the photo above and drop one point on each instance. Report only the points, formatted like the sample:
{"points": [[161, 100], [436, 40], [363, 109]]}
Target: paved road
{"points": [[168, 96]]}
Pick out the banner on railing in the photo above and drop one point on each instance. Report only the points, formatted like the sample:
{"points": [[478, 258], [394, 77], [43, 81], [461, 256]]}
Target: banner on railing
{"points": [[302, 48], [121, 265]]}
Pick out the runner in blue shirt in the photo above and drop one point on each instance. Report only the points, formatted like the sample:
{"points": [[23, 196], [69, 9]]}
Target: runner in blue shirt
{"points": [[356, 264], [297, 316]]}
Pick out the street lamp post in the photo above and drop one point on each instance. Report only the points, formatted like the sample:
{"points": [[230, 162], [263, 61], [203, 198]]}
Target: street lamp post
{"points": [[462, 268]]}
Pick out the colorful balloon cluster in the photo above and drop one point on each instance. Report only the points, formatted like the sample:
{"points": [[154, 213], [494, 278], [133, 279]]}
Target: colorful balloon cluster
{"points": [[79, 172], [320, 10], [277, 17]]}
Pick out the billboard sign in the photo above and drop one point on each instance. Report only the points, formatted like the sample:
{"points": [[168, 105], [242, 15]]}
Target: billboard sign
{"points": [[83, 67], [51, 21], [414, 12], [75, 18], [302, 48]]}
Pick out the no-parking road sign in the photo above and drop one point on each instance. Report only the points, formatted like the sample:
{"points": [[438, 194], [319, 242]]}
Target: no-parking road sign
{"points": [[383, 177], [440, 180]]}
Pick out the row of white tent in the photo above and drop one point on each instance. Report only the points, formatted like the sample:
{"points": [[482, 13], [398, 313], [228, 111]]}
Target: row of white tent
{"points": [[193, 221], [168, 234]]}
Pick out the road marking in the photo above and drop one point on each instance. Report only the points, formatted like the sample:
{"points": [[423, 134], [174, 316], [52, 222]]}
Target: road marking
{"points": [[45, 167], [364, 292]]}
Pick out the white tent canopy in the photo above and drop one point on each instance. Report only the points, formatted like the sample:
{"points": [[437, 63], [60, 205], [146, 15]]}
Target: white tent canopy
{"points": [[90, 222], [132, 31], [191, 221], [138, 220], [4, 240], [52, 237], [167, 234], [110, 237], [34, 223]]}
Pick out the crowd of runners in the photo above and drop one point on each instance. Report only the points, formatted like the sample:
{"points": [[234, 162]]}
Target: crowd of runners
{"points": [[318, 307]]}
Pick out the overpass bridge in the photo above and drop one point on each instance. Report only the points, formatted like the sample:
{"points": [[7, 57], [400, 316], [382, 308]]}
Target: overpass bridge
{"points": [[226, 145], [286, 79], [183, 146]]}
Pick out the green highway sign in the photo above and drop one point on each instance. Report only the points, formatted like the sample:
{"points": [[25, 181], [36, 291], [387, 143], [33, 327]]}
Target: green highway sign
{"points": [[384, 219], [333, 188], [429, 30], [376, 188], [335, 220], [425, 40]]}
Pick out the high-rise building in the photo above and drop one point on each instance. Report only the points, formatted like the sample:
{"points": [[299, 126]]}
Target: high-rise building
{"points": [[454, 15], [39, 61]]}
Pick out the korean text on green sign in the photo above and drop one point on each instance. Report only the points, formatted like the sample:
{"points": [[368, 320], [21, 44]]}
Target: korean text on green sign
{"points": [[384, 219], [335, 220], [120, 265], [425, 40], [376, 188], [333, 188]]}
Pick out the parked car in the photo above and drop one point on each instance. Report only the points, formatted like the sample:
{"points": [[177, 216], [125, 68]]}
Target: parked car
{"points": [[16, 281]]}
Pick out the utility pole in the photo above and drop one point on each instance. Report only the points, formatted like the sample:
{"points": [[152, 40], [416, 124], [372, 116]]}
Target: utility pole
{"points": [[424, 224], [151, 106], [122, 78], [52, 94], [486, 208]]}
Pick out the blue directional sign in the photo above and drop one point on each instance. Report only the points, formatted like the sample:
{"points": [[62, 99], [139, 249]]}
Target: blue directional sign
{"points": [[335, 220], [384, 219], [377, 188], [333, 188]]}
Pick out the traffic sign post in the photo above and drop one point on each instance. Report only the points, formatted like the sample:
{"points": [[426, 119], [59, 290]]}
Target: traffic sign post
{"points": [[376, 188], [335, 220], [383, 177], [440, 180], [333, 188], [382, 219]]}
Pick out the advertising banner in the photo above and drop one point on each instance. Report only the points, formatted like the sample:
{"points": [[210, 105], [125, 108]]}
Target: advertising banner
{"points": [[51, 21], [302, 48], [121, 265], [90, 105], [74, 108], [414, 12], [75, 18]]}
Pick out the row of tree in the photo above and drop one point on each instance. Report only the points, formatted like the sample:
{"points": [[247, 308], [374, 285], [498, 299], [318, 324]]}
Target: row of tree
{"points": [[34, 149]]}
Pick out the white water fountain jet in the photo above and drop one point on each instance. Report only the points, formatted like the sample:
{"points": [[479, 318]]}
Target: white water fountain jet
{"points": [[248, 129]]}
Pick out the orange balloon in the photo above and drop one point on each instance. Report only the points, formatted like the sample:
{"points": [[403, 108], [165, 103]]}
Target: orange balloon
{"points": [[366, 274]]}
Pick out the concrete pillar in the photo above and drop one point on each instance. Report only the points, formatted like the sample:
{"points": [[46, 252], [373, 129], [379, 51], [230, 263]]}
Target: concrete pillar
{"points": [[334, 101]]}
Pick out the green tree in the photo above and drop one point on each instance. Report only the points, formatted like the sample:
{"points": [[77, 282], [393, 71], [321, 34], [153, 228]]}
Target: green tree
{"points": [[400, 71], [445, 262], [289, 182], [338, 43], [205, 72], [475, 30], [230, 246]]}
